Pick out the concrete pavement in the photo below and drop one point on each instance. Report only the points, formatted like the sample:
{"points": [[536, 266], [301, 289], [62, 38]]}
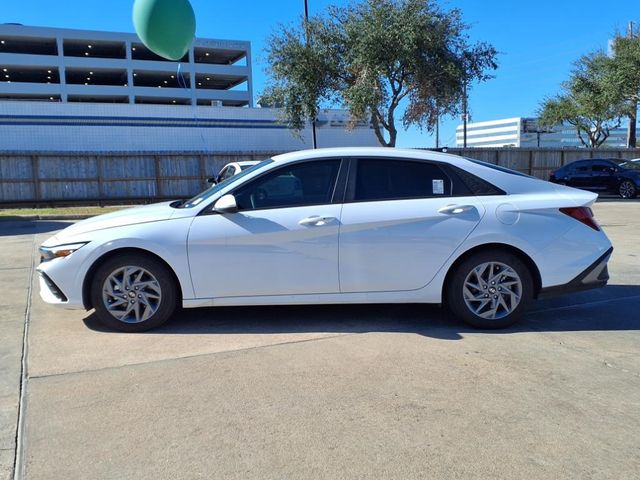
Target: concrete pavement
{"points": [[394, 391]]}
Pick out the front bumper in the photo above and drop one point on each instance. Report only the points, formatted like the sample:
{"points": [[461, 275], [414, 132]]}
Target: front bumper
{"points": [[594, 276], [49, 291], [58, 280]]}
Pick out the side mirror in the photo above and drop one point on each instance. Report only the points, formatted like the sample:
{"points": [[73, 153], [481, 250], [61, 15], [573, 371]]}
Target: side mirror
{"points": [[226, 204], [212, 180]]}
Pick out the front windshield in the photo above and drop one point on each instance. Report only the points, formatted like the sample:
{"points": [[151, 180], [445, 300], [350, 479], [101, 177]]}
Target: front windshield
{"points": [[628, 165], [201, 197]]}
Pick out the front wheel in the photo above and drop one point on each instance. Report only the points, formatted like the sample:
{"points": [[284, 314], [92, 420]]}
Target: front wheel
{"points": [[133, 293], [627, 189], [490, 289]]}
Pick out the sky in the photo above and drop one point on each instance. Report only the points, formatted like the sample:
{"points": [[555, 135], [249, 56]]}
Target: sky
{"points": [[537, 40]]}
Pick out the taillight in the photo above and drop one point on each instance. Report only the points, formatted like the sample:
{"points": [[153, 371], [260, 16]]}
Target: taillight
{"points": [[583, 215]]}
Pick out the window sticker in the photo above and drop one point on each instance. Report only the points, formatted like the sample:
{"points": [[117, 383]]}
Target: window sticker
{"points": [[438, 187]]}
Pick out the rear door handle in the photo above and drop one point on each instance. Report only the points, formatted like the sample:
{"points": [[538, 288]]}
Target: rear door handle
{"points": [[456, 209], [316, 221]]}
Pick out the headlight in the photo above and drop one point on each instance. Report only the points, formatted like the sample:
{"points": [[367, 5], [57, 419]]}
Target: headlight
{"points": [[59, 251]]}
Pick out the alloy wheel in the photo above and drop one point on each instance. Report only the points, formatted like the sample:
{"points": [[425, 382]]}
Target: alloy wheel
{"points": [[627, 189], [131, 294], [492, 290]]}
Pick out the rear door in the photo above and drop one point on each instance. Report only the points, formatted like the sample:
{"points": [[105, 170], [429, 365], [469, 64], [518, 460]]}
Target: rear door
{"points": [[400, 224]]}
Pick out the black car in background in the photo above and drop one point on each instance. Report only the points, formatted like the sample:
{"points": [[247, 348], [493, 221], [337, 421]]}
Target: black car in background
{"points": [[611, 175]]}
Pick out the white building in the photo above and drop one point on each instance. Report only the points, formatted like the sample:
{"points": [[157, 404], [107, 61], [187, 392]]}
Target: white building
{"points": [[77, 90], [526, 133], [99, 127]]}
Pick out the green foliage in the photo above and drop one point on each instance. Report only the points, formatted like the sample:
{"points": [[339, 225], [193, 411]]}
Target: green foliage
{"points": [[624, 76], [587, 102], [623, 81], [370, 57]]}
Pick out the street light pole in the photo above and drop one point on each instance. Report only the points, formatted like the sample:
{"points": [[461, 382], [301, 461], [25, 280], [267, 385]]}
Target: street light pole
{"points": [[306, 29], [631, 129], [464, 114]]}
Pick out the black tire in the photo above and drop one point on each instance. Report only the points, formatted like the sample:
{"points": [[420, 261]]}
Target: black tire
{"points": [[455, 299], [164, 307], [627, 189]]}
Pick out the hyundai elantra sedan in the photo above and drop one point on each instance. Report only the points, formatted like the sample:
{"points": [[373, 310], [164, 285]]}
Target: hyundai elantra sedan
{"points": [[357, 225]]}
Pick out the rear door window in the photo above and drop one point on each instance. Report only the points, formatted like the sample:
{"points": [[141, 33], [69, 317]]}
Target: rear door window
{"points": [[390, 179], [228, 172], [582, 168]]}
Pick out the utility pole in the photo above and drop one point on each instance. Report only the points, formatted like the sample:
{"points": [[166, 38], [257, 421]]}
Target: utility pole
{"points": [[464, 115], [631, 129], [306, 29], [437, 131]]}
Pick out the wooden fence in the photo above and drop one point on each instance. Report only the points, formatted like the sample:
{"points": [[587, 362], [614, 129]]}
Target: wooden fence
{"points": [[540, 162], [105, 178], [108, 178]]}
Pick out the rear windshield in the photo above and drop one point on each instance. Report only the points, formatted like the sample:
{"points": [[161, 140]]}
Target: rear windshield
{"points": [[498, 167], [628, 164]]}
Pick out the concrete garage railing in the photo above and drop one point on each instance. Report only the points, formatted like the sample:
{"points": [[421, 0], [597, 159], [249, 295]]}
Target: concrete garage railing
{"points": [[50, 178], [108, 177]]}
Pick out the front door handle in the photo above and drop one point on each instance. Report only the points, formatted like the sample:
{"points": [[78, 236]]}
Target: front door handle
{"points": [[456, 209], [316, 221]]}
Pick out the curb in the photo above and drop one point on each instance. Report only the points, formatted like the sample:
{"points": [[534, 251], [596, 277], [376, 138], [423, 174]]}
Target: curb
{"points": [[32, 218]]}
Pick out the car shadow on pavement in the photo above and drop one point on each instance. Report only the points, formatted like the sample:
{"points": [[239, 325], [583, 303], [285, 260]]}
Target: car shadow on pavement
{"points": [[10, 227], [613, 308]]}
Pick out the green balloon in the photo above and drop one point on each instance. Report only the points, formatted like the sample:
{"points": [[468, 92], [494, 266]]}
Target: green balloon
{"points": [[166, 27]]}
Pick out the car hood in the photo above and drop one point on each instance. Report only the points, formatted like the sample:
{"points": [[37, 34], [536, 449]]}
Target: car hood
{"points": [[128, 216]]}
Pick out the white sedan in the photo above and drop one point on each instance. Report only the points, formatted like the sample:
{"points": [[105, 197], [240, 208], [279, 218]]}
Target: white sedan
{"points": [[231, 170], [356, 225]]}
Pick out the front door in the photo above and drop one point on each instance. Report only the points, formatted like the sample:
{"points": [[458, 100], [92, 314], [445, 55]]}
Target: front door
{"points": [[603, 176], [581, 177], [283, 240]]}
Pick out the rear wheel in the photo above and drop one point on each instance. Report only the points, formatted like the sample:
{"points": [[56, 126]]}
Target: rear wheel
{"points": [[627, 189], [133, 293], [490, 289]]}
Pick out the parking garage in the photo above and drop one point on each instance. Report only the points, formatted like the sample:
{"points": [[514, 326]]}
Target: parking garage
{"points": [[108, 67]]}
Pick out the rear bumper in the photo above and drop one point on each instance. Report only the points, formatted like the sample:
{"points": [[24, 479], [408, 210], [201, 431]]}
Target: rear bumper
{"points": [[594, 276]]}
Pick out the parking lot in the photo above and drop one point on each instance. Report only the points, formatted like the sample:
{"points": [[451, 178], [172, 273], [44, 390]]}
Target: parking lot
{"points": [[383, 391]]}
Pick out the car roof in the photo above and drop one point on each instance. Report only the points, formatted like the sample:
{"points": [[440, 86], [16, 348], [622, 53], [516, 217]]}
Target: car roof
{"points": [[584, 160], [500, 177], [370, 152]]}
